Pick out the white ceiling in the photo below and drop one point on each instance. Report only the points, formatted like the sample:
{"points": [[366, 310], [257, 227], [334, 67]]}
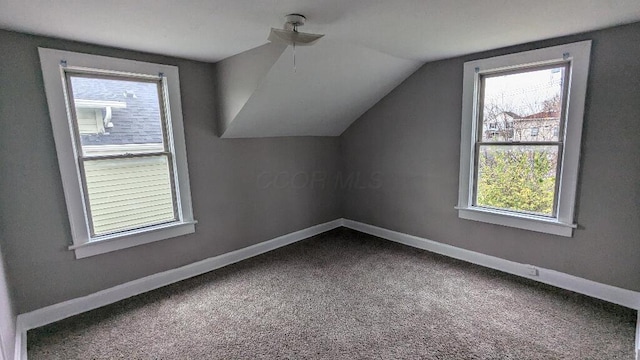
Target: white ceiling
{"points": [[212, 30], [369, 47]]}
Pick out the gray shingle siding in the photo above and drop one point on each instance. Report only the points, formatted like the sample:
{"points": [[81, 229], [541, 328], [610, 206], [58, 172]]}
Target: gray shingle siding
{"points": [[138, 123]]}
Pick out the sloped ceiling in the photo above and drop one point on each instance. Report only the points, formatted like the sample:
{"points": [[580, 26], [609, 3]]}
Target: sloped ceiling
{"points": [[370, 45], [334, 82]]}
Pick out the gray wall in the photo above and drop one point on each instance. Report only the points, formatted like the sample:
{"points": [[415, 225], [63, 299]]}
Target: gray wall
{"points": [[412, 137], [7, 316], [234, 210]]}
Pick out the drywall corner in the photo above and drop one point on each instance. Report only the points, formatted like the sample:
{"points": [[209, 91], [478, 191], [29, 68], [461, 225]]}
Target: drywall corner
{"points": [[238, 76]]}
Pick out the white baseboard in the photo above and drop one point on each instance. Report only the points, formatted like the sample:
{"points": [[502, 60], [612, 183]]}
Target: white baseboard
{"points": [[616, 295], [594, 289], [638, 337], [76, 306], [21, 341], [56, 312]]}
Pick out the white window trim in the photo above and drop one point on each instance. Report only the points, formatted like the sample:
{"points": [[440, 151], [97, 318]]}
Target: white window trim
{"points": [[118, 149], [53, 63], [578, 55]]}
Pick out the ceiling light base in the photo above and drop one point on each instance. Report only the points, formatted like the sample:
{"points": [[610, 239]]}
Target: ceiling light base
{"points": [[290, 34], [295, 20]]}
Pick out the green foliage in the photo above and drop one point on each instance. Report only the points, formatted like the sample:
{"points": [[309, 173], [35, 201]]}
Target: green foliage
{"points": [[517, 179]]}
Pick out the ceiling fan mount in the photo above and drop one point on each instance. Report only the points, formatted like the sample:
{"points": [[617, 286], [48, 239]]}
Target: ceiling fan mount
{"points": [[293, 21], [290, 34]]}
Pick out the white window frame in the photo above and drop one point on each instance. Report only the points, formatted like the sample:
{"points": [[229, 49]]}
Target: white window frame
{"points": [[54, 63], [577, 55]]}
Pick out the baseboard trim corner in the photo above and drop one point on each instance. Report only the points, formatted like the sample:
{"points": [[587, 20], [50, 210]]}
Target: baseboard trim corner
{"points": [[20, 350], [65, 309], [638, 337], [616, 295]]}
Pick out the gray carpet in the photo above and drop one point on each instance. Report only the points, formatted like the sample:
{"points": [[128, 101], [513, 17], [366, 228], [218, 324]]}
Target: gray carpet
{"points": [[346, 295]]}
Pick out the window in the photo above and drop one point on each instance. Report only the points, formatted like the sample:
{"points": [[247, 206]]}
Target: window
{"points": [[525, 176], [119, 138]]}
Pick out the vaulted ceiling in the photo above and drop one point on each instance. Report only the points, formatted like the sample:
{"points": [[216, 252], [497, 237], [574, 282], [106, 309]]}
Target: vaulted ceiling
{"points": [[369, 48]]}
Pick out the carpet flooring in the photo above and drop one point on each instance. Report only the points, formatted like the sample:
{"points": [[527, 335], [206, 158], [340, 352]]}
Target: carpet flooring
{"points": [[346, 295]]}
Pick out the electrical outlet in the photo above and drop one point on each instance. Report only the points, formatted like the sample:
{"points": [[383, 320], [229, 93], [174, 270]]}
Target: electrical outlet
{"points": [[532, 270]]}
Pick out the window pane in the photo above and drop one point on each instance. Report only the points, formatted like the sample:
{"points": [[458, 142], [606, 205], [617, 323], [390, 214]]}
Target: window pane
{"points": [[517, 177], [524, 106], [129, 193], [117, 116]]}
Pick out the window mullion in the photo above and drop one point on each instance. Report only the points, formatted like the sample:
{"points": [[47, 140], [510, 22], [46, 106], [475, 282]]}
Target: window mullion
{"points": [[521, 143], [125, 155]]}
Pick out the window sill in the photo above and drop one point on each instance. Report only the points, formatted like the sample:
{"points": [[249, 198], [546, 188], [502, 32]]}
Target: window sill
{"points": [[521, 221], [133, 238]]}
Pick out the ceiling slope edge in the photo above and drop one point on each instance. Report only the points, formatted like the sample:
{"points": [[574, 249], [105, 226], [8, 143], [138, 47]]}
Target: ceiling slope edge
{"points": [[334, 84], [239, 76]]}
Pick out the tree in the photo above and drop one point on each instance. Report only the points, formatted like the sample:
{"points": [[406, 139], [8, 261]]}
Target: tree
{"points": [[517, 179]]}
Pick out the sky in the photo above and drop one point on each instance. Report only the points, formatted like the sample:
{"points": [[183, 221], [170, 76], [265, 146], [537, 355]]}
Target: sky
{"points": [[522, 93]]}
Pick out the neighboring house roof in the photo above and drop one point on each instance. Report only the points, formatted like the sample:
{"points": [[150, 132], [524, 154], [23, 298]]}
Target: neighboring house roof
{"points": [[138, 123], [537, 116], [543, 115], [512, 114]]}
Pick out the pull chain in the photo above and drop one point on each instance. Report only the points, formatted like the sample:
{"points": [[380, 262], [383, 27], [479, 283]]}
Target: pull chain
{"points": [[295, 29]]}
